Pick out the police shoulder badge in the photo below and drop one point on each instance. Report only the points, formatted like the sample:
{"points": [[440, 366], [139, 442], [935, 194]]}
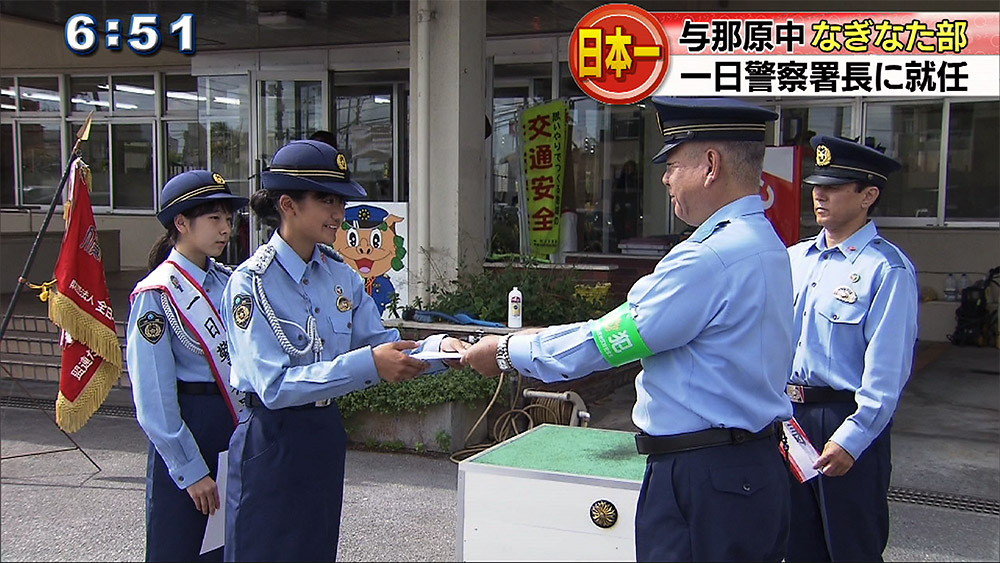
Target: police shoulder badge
{"points": [[242, 310], [151, 325], [823, 156], [845, 294]]}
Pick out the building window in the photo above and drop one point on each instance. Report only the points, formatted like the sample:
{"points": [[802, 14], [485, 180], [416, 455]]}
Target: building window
{"points": [[8, 101], [181, 94], [290, 110], [89, 93], [95, 152], [973, 184], [132, 166], [910, 133], [41, 162], [134, 93], [185, 148], [39, 94], [7, 164], [365, 136]]}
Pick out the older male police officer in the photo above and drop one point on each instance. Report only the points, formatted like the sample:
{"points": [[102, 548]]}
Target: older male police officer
{"points": [[856, 320], [712, 328]]}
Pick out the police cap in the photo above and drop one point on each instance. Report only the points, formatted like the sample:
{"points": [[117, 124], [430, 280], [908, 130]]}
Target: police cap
{"points": [[708, 119]]}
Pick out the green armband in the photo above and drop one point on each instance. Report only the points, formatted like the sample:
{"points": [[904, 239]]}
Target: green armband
{"points": [[617, 337]]}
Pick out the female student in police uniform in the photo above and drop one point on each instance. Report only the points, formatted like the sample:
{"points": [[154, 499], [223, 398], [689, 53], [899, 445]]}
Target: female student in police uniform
{"points": [[179, 377], [302, 331]]}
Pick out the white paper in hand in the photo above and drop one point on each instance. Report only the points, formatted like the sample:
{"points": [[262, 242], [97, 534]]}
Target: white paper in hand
{"points": [[801, 451], [428, 355], [215, 530]]}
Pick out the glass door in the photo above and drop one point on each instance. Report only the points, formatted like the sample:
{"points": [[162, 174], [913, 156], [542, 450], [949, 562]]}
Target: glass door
{"points": [[289, 108]]}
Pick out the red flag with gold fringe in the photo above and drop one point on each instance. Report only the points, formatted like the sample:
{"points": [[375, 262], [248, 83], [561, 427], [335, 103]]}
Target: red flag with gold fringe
{"points": [[81, 307]]}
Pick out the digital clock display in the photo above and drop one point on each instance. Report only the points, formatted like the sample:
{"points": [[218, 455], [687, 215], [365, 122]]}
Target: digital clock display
{"points": [[142, 34]]}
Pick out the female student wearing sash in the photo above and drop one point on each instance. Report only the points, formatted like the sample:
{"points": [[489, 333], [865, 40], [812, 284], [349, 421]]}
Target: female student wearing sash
{"points": [[302, 331], [178, 362]]}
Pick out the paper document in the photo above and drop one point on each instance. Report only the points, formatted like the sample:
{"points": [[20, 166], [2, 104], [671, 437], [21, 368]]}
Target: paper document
{"points": [[428, 355], [215, 530], [801, 451]]}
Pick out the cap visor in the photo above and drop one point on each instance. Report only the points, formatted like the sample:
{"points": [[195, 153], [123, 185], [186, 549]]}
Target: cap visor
{"points": [[824, 180], [662, 155], [276, 181]]}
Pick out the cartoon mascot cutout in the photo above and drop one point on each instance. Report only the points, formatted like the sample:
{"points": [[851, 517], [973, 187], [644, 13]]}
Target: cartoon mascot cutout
{"points": [[368, 243]]}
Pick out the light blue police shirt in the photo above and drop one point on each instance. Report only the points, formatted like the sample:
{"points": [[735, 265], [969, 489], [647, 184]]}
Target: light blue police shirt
{"points": [[862, 341], [296, 290], [155, 368], [715, 313]]}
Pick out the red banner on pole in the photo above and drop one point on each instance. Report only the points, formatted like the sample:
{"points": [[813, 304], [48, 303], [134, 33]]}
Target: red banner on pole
{"points": [[81, 307]]}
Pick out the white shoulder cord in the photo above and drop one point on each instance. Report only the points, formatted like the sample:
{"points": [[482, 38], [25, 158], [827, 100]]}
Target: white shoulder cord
{"points": [[185, 339], [313, 340]]}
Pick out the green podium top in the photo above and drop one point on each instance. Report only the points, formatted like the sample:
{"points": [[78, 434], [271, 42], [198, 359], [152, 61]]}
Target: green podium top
{"points": [[574, 450]]}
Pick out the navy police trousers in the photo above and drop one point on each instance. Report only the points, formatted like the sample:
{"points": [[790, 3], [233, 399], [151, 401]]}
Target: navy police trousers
{"points": [[842, 518], [722, 503], [174, 527], [286, 485]]}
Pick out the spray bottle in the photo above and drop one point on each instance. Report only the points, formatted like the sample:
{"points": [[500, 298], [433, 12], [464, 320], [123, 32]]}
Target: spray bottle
{"points": [[514, 308]]}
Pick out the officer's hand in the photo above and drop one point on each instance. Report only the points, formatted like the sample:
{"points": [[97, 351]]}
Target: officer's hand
{"points": [[482, 356], [394, 365], [450, 344], [205, 495], [835, 461]]}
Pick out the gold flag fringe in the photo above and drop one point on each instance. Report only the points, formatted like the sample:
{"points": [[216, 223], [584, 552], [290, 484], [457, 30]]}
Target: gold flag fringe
{"points": [[72, 415], [85, 329]]}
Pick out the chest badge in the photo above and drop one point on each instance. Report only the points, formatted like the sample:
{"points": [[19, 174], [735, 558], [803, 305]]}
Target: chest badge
{"points": [[340, 290], [845, 294], [344, 304], [151, 326], [855, 277]]}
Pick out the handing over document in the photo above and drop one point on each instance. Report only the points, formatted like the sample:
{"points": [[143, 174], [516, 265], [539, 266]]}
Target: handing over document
{"points": [[428, 355]]}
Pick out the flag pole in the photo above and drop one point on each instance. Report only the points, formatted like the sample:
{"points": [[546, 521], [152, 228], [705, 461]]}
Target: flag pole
{"points": [[82, 135]]}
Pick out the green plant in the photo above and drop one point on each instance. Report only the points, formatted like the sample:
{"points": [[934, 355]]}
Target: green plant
{"points": [[393, 445], [463, 385], [419, 447], [550, 296], [443, 440]]}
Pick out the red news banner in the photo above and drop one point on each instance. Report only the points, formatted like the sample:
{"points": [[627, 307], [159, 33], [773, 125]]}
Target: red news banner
{"points": [[783, 54]]}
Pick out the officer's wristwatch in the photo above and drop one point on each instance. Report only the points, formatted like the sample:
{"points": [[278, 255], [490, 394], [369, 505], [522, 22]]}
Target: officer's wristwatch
{"points": [[503, 355]]}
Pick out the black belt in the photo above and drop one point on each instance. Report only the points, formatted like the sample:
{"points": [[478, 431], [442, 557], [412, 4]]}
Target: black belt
{"points": [[252, 400], [708, 438], [192, 388], [806, 394]]}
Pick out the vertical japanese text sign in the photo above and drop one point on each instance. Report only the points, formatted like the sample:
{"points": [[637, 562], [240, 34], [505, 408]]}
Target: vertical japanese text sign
{"points": [[544, 139]]}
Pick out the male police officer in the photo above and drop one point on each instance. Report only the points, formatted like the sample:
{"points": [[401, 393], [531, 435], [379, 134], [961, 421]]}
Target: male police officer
{"points": [[856, 320], [709, 326]]}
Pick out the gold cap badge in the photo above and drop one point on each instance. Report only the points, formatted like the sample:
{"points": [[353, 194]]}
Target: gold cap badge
{"points": [[342, 161], [823, 156], [218, 178]]}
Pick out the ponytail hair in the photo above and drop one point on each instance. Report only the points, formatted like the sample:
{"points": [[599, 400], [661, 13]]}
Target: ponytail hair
{"points": [[162, 246], [264, 204]]}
